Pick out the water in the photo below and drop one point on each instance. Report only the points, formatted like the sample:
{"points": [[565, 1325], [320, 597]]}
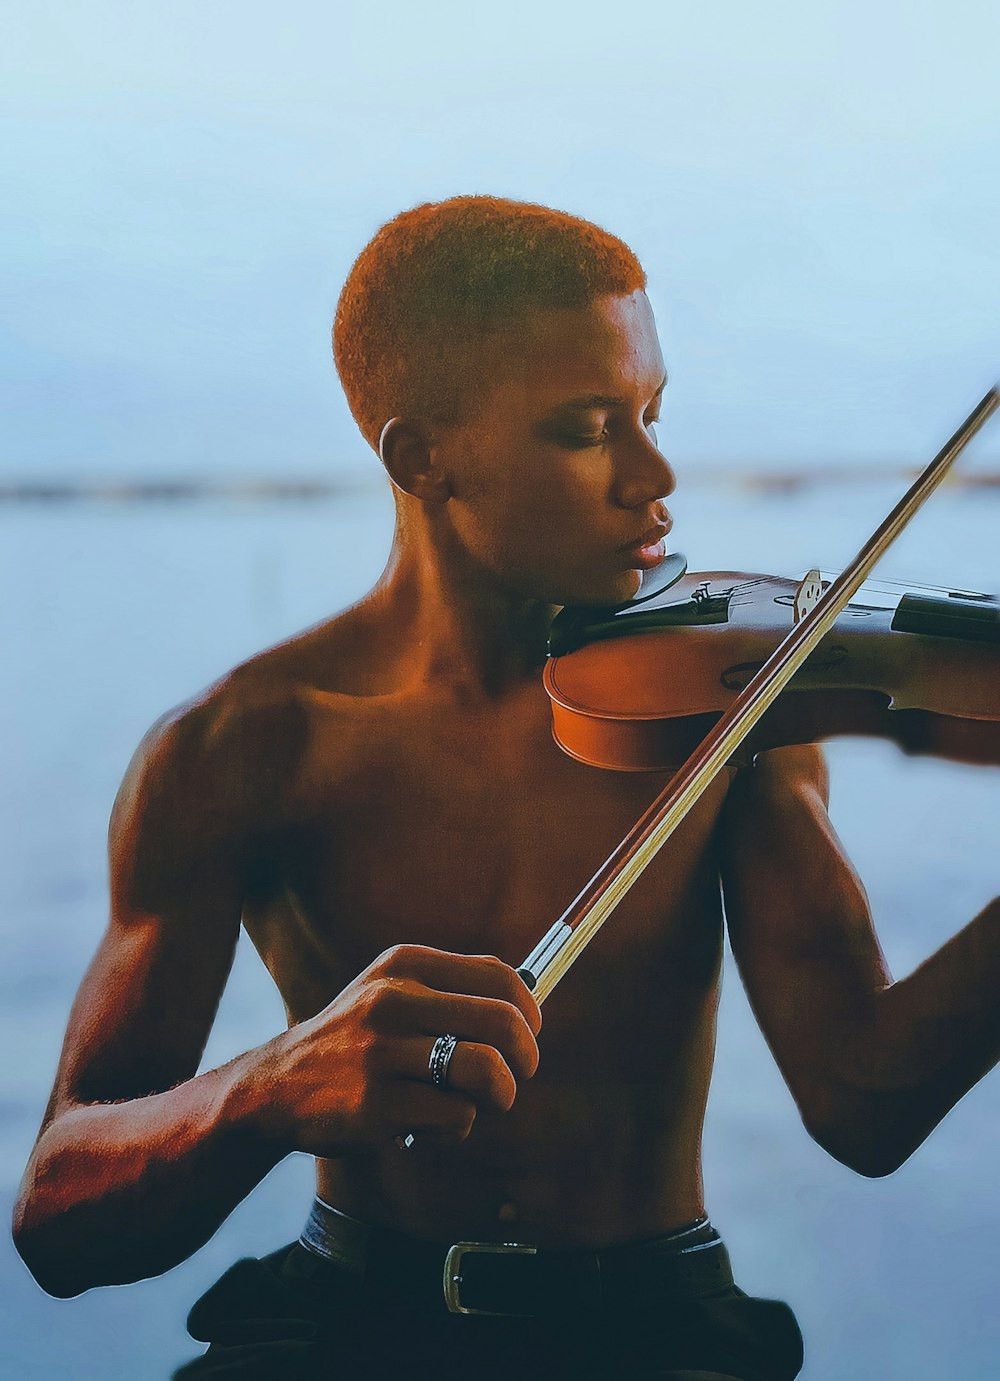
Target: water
{"points": [[115, 612]]}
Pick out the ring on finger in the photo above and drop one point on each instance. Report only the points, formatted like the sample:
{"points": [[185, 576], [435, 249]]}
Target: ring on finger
{"points": [[440, 1058]]}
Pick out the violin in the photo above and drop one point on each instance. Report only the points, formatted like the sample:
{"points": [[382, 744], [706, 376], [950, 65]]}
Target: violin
{"points": [[935, 657], [693, 669], [637, 687]]}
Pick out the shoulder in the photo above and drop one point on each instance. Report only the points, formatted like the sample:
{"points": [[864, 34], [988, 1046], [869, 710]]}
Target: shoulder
{"points": [[237, 757], [225, 756], [208, 785]]}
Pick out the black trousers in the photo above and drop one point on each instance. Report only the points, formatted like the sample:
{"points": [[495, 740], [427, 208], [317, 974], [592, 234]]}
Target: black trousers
{"points": [[295, 1317]]}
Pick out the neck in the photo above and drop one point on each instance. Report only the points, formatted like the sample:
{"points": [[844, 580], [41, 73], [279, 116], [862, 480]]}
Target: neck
{"points": [[452, 620]]}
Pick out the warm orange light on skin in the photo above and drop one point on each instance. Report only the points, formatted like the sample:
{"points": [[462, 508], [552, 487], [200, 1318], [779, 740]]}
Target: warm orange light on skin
{"points": [[554, 472], [436, 280]]}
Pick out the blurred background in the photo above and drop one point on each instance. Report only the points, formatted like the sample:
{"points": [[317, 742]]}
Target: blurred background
{"points": [[813, 192]]}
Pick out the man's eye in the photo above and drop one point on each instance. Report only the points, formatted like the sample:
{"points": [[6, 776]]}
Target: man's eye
{"points": [[580, 440]]}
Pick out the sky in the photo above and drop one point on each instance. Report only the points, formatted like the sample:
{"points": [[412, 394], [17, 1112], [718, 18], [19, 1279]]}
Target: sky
{"points": [[812, 188]]}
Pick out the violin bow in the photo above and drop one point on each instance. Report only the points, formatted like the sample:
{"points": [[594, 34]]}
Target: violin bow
{"points": [[569, 936]]}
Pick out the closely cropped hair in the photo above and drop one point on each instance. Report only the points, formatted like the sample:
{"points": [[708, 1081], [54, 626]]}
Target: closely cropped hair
{"points": [[437, 279]]}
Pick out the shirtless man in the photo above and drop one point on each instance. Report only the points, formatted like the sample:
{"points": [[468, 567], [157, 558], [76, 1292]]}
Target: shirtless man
{"points": [[381, 802]]}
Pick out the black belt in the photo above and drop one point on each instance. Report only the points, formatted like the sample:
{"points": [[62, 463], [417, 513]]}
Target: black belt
{"points": [[515, 1277]]}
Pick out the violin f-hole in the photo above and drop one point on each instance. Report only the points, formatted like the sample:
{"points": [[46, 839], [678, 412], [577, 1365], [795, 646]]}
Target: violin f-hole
{"points": [[737, 678]]}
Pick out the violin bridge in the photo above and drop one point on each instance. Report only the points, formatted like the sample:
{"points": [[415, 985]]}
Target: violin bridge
{"points": [[807, 596]]}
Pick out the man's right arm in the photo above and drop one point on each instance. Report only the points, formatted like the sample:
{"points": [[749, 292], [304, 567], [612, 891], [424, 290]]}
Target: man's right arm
{"points": [[138, 1161], [139, 1158]]}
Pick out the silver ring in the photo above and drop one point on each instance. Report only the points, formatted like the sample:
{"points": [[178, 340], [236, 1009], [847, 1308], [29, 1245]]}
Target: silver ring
{"points": [[440, 1058]]}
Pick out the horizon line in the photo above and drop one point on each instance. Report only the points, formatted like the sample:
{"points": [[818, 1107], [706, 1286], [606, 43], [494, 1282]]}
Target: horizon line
{"points": [[256, 488]]}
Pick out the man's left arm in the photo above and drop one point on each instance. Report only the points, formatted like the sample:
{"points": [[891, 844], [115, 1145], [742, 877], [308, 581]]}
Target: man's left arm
{"points": [[872, 1064]]}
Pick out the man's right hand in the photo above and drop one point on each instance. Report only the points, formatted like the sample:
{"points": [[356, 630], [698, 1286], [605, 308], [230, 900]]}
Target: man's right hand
{"points": [[357, 1074]]}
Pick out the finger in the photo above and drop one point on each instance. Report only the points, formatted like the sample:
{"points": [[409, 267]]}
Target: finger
{"points": [[480, 1021], [480, 974], [477, 1071], [426, 1112], [394, 1007]]}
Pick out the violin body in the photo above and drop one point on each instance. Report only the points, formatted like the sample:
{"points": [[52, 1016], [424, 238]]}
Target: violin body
{"points": [[697, 673], [637, 688]]}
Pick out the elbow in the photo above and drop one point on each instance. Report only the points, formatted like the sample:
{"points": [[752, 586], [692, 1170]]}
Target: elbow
{"points": [[48, 1267], [53, 1282], [873, 1165], [873, 1162], [39, 1231], [862, 1138], [68, 1251]]}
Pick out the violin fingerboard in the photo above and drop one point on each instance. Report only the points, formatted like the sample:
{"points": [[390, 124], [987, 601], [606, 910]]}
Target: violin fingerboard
{"points": [[948, 617]]}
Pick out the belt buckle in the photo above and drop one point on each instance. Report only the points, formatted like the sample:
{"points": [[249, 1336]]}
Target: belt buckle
{"points": [[453, 1274]]}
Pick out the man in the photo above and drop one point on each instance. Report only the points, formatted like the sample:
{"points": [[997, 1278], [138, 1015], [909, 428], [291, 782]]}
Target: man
{"points": [[381, 801]]}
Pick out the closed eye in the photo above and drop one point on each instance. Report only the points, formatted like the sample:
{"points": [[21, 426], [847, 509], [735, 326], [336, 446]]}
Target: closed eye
{"points": [[580, 440]]}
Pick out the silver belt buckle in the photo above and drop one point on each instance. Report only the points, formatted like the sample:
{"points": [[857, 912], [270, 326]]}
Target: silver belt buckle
{"points": [[453, 1273]]}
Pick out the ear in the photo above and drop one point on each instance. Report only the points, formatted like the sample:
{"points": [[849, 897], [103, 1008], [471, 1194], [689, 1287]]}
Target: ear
{"points": [[407, 452]]}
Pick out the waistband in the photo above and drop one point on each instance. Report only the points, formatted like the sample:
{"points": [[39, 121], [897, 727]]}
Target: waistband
{"points": [[519, 1278]]}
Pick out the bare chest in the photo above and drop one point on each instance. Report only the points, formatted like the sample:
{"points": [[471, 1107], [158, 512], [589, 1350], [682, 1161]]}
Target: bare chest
{"points": [[471, 833]]}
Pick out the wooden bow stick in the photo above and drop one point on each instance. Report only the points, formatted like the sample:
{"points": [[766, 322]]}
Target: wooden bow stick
{"points": [[568, 937]]}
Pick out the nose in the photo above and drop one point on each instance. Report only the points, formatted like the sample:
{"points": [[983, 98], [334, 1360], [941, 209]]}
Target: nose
{"points": [[644, 473]]}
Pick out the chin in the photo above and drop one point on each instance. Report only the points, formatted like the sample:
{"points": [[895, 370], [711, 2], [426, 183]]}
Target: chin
{"points": [[616, 589]]}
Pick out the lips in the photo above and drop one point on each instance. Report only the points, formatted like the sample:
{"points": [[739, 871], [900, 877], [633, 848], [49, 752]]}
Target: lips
{"points": [[648, 549], [653, 535], [650, 538]]}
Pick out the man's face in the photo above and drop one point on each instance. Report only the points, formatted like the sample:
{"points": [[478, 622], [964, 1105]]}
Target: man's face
{"points": [[557, 482]]}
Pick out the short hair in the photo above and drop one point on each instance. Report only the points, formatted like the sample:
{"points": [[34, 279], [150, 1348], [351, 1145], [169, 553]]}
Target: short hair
{"points": [[435, 279]]}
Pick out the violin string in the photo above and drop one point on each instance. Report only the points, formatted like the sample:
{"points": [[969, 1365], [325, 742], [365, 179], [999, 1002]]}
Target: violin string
{"points": [[555, 953]]}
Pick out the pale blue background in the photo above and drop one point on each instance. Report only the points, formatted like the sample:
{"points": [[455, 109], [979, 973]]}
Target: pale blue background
{"points": [[813, 190]]}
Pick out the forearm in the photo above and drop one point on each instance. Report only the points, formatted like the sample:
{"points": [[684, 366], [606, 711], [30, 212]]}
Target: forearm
{"points": [[120, 1191], [873, 1065], [926, 1040]]}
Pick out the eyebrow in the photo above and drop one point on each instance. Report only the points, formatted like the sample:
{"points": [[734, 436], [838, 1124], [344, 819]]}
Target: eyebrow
{"points": [[603, 400]]}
